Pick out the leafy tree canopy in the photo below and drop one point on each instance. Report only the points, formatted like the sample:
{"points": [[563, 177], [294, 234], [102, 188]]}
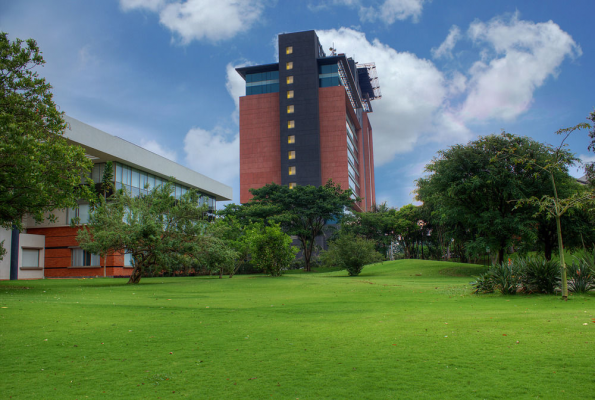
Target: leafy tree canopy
{"points": [[477, 185], [156, 229], [39, 170], [303, 211]]}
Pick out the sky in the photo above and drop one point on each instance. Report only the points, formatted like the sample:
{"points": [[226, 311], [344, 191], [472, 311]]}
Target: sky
{"points": [[161, 73]]}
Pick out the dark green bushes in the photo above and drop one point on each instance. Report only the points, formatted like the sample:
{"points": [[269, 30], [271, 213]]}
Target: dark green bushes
{"points": [[351, 253], [536, 275]]}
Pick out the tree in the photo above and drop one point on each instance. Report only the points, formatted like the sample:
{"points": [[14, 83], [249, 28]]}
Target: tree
{"points": [[590, 167], [39, 170], [351, 253], [271, 248], [303, 211], [476, 187], [156, 229], [553, 204], [235, 237]]}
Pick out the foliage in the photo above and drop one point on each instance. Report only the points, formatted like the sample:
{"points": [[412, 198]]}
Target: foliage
{"points": [[590, 167], [350, 253], [506, 277], [554, 205], [539, 275], [235, 237], [582, 273], [39, 170], [474, 188], [303, 211], [156, 229], [483, 283], [270, 249]]}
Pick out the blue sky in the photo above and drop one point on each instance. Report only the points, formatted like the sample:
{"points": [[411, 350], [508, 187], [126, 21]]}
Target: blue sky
{"points": [[160, 73]]}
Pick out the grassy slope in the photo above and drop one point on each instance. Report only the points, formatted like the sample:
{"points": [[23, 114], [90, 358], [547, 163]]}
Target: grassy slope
{"points": [[404, 329]]}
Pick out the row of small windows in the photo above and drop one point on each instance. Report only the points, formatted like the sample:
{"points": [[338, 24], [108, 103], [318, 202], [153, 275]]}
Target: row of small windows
{"points": [[138, 182], [83, 258], [256, 84], [262, 82], [328, 75]]}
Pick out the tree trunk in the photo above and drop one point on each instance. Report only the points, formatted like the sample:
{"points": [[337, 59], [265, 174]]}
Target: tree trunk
{"points": [[136, 274], [220, 273], [307, 254], [562, 262], [547, 250], [501, 255]]}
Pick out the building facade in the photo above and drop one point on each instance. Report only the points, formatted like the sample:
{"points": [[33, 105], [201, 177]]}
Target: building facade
{"points": [[50, 249], [305, 120]]}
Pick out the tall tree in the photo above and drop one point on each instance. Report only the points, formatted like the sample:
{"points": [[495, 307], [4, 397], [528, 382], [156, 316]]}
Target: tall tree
{"points": [[303, 211], [156, 229], [39, 170], [476, 186]]}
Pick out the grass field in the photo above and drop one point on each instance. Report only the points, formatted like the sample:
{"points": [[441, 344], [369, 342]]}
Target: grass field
{"points": [[401, 330]]}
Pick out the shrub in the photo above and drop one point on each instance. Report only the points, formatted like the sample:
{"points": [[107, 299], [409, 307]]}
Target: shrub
{"points": [[484, 283], [539, 275], [506, 277], [581, 276], [351, 253], [270, 249]]}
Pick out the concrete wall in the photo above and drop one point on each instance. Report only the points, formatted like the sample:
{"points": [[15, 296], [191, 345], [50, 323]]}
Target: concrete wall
{"points": [[60, 215], [27, 241], [5, 235]]}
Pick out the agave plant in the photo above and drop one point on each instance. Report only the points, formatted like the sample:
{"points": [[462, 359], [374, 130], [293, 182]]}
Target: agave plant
{"points": [[582, 275], [541, 275]]}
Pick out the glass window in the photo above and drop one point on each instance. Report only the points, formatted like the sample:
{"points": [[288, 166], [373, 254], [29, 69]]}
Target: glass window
{"points": [[290, 109], [125, 175], [292, 185], [290, 94], [30, 258], [128, 262], [291, 139], [290, 124], [289, 80], [118, 172], [143, 179], [151, 181], [82, 258], [289, 50], [135, 178], [291, 170], [292, 155], [289, 65]]}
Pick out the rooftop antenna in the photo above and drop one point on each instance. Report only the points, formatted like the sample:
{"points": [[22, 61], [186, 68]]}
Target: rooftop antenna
{"points": [[333, 50]]}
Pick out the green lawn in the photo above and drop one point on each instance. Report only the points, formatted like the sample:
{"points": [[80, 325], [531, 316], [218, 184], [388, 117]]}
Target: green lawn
{"points": [[403, 329]]}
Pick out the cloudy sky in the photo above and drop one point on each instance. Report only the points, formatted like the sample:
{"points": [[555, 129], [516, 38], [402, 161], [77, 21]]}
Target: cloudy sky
{"points": [[160, 73]]}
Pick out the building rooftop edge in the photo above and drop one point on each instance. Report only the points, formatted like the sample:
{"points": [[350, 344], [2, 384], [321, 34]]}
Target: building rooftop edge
{"points": [[112, 148]]}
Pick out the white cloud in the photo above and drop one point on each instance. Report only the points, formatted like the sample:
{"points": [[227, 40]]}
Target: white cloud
{"points": [[517, 57], [445, 49], [413, 91], [236, 86], [214, 153], [155, 147], [202, 19], [392, 10], [152, 5]]}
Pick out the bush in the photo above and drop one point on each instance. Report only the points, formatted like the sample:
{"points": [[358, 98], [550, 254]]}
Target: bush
{"points": [[270, 249], [351, 253], [484, 283], [506, 277], [581, 275], [539, 275]]}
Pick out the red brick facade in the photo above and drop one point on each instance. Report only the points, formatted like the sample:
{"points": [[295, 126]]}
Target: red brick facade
{"points": [[58, 256], [260, 146], [260, 154]]}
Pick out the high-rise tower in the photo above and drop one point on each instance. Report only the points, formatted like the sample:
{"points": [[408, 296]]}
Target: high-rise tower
{"points": [[304, 120]]}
